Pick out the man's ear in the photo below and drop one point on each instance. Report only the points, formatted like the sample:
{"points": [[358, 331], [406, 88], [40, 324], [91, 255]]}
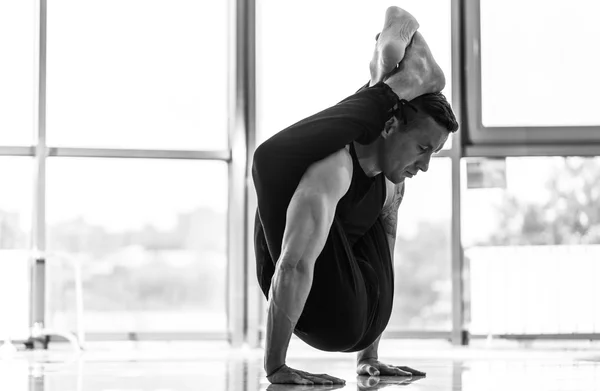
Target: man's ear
{"points": [[390, 127]]}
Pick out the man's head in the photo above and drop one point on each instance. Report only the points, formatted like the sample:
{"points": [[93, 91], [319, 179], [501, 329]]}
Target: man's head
{"points": [[407, 148]]}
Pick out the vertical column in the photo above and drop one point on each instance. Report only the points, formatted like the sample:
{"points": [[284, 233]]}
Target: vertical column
{"points": [[38, 237], [241, 142], [254, 298], [470, 56], [459, 336]]}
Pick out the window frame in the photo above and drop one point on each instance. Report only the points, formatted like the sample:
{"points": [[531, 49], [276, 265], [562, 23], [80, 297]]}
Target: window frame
{"points": [[477, 133]]}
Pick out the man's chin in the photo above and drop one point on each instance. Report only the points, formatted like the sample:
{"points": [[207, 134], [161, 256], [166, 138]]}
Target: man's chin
{"points": [[397, 179]]}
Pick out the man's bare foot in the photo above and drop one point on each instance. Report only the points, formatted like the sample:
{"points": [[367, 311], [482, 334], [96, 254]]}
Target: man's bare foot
{"points": [[417, 73], [398, 29]]}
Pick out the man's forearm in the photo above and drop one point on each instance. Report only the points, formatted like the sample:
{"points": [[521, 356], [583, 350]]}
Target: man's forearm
{"points": [[289, 290], [288, 294], [389, 218], [391, 245], [309, 219]]}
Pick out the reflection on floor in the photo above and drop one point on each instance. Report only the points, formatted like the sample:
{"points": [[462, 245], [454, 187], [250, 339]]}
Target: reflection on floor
{"points": [[213, 366]]}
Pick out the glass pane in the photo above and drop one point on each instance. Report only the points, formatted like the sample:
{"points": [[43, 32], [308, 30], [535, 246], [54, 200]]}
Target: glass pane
{"points": [[302, 71], [150, 236], [422, 258], [538, 65], [16, 176], [16, 202], [16, 72], [532, 246], [138, 74], [15, 277]]}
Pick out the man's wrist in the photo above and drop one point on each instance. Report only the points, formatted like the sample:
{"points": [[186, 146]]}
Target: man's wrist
{"points": [[271, 369], [366, 354], [362, 359]]}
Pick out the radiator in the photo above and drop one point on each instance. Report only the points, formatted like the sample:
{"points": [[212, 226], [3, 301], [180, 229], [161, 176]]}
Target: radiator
{"points": [[533, 289]]}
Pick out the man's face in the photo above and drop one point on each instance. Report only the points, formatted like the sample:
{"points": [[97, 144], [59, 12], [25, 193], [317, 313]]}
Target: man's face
{"points": [[407, 149]]}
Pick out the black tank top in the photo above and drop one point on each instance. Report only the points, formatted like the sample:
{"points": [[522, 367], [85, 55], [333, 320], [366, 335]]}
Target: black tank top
{"points": [[359, 208]]}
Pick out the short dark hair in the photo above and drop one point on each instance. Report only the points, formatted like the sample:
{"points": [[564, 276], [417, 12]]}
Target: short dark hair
{"points": [[437, 107]]}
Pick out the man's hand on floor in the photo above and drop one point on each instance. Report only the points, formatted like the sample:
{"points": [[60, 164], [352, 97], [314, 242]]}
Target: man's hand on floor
{"points": [[377, 382], [287, 375], [373, 367], [297, 387]]}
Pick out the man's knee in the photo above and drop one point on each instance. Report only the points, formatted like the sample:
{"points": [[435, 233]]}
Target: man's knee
{"points": [[266, 165], [261, 159]]}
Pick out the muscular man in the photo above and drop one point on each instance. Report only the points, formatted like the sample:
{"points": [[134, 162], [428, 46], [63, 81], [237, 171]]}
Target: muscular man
{"points": [[328, 192]]}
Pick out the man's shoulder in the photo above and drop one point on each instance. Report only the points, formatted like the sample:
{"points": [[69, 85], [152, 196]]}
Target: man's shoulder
{"points": [[339, 159], [332, 174]]}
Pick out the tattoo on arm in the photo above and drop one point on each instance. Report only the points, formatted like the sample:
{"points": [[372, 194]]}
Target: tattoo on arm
{"points": [[389, 215]]}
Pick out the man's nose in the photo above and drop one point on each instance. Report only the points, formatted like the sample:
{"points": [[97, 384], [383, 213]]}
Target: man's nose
{"points": [[423, 165]]}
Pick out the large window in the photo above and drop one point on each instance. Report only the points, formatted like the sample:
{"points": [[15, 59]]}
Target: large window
{"points": [[16, 172], [137, 74], [149, 228], [537, 64], [150, 236], [15, 227], [532, 245]]}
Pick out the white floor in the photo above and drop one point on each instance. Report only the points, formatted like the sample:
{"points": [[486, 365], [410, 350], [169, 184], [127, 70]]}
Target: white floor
{"points": [[213, 366]]}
